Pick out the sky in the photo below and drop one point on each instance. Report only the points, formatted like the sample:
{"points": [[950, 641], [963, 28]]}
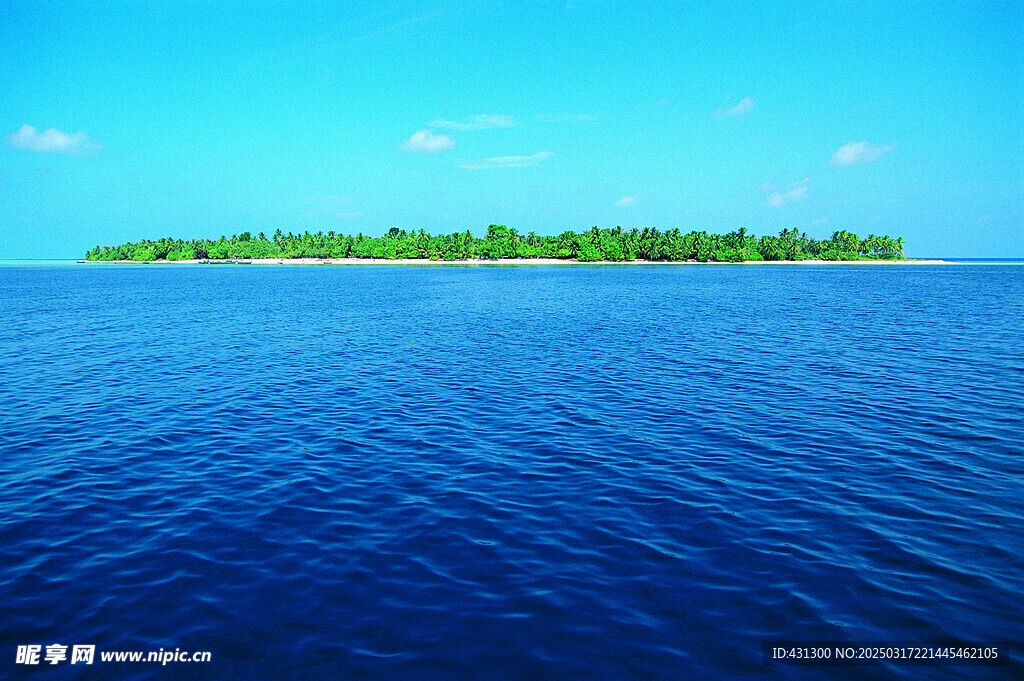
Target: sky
{"points": [[124, 121]]}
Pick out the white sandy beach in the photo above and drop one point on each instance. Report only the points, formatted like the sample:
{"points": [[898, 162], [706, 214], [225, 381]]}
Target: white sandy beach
{"points": [[517, 261]]}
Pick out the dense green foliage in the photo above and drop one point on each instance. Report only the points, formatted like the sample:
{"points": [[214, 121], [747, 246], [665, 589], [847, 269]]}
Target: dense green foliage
{"points": [[502, 242]]}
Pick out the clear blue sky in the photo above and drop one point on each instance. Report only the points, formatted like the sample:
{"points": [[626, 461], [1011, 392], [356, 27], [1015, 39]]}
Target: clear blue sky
{"points": [[196, 118]]}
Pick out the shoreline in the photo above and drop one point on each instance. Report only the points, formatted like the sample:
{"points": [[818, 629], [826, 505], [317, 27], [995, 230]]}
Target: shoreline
{"points": [[502, 262]]}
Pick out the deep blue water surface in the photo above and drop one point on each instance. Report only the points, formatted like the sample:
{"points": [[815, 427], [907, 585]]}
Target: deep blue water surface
{"points": [[538, 472]]}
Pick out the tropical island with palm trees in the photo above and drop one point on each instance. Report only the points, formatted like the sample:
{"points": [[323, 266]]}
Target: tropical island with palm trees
{"points": [[504, 243]]}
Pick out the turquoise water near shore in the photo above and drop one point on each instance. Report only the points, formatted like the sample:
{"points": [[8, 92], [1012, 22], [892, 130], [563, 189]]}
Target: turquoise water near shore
{"points": [[508, 472]]}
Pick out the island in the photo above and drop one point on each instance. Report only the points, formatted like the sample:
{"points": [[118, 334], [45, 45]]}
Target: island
{"points": [[504, 243]]}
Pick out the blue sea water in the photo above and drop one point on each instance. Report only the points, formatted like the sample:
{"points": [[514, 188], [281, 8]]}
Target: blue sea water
{"points": [[533, 472]]}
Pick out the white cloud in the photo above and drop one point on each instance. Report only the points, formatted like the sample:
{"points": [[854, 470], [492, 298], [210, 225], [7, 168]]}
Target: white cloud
{"points": [[428, 141], [795, 192], [478, 122], [776, 199], [859, 152], [627, 201], [745, 105], [53, 141], [505, 161]]}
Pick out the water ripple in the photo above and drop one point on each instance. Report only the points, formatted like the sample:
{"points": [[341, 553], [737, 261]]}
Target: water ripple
{"points": [[545, 472]]}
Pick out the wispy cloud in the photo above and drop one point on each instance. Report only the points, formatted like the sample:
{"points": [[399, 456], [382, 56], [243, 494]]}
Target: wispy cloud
{"points": [[478, 122], [859, 152], [745, 105], [505, 161], [387, 23], [794, 192], [627, 201], [53, 141], [428, 141]]}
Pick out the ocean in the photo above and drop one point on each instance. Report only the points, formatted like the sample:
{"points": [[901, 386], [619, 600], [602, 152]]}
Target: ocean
{"points": [[509, 472]]}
